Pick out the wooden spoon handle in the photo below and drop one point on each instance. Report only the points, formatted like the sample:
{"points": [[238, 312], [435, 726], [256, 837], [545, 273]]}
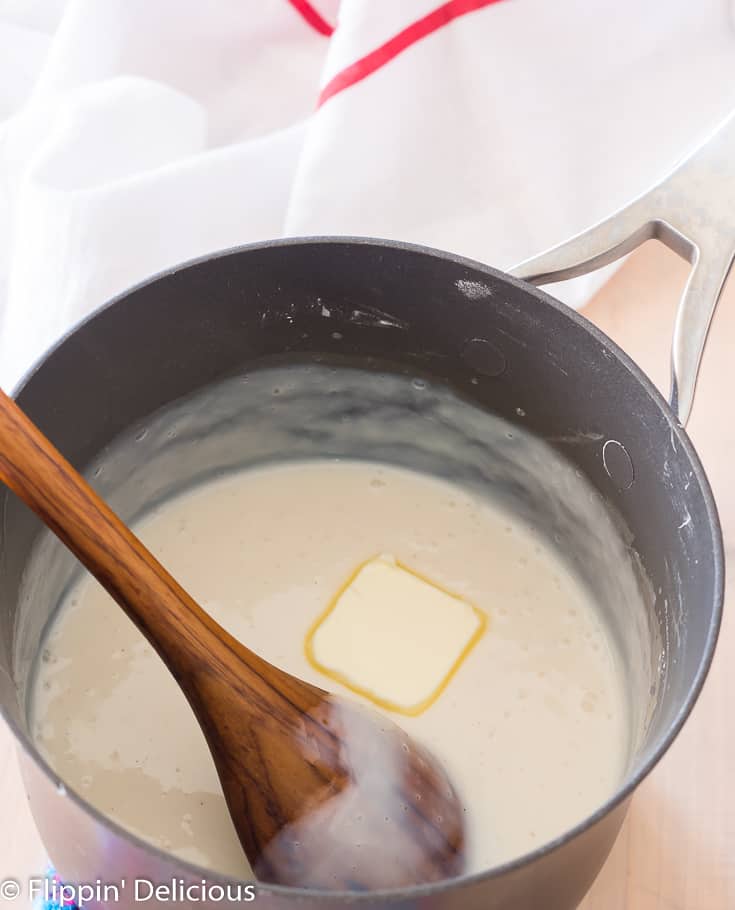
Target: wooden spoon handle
{"points": [[247, 708], [166, 614], [284, 749]]}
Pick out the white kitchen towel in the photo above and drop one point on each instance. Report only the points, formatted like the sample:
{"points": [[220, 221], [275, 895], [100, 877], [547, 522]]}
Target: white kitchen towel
{"points": [[135, 134]]}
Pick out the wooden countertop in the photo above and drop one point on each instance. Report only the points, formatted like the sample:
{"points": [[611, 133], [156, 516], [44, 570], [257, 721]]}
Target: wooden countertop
{"points": [[677, 848]]}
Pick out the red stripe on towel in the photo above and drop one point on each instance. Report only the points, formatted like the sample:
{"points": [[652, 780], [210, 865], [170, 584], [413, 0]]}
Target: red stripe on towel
{"points": [[376, 59], [313, 17]]}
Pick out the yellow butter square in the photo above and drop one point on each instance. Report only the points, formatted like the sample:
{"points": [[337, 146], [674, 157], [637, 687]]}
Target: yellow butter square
{"points": [[393, 636]]}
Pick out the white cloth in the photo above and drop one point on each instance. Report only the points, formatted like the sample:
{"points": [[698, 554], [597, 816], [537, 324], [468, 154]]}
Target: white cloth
{"points": [[135, 134]]}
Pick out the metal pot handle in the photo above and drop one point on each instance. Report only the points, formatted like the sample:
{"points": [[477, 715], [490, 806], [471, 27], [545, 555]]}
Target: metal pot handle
{"points": [[692, 211]]}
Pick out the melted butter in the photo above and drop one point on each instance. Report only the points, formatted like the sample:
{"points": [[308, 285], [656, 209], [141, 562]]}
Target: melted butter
{"points": [[409, 627]]}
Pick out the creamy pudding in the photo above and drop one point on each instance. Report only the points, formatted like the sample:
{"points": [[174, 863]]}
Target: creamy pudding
{"points": [[533, 728]]}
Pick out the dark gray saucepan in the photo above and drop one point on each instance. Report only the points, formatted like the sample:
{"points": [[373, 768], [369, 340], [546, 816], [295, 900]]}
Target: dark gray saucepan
{"points": [[504, 346]]}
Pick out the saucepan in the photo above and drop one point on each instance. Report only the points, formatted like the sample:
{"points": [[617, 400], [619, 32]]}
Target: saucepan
{"points": [[510, 350]]}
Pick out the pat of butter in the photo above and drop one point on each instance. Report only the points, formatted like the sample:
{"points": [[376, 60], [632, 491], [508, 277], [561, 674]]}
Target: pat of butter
{"points": [[394, 636]]}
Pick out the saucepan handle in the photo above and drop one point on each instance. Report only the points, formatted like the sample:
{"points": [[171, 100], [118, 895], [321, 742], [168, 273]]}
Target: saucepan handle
{"points": [[692, 211]]}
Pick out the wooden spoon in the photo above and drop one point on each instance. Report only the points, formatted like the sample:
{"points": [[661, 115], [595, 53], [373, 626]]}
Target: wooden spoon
{"points": [[323, 793]]}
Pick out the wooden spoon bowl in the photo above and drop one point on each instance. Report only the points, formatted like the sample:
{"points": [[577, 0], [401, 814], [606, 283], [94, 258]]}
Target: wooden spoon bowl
{"points": [[323, 793]]}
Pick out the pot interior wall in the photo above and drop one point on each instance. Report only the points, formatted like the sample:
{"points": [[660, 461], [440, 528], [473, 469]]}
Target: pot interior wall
{"points": [[401, 313]]}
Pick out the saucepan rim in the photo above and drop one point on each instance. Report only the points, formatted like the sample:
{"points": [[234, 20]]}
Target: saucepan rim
{"points": [[628, 786]]}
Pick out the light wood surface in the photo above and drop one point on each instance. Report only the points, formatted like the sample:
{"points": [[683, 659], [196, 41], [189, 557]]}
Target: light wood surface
{"points": [[677, 849]]}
